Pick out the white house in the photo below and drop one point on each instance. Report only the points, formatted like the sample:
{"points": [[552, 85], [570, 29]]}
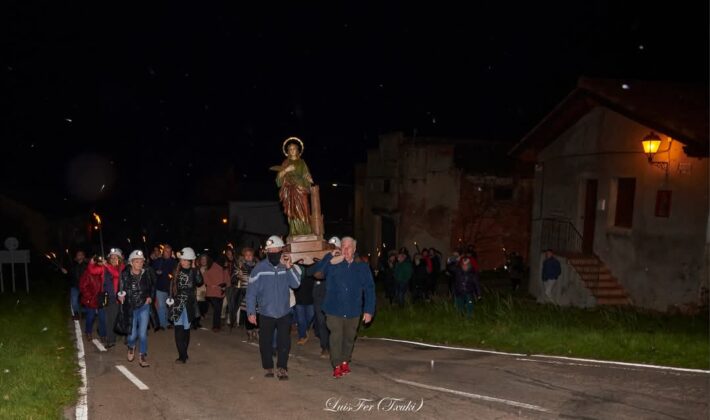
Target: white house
{"points": [[630, 227]]}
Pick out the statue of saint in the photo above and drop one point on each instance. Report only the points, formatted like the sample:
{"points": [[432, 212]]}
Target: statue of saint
{"points": [[294, 181]]}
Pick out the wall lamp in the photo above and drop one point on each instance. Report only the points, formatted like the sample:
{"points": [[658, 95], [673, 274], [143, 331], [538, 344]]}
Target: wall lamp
{"points": [[651, 143]]}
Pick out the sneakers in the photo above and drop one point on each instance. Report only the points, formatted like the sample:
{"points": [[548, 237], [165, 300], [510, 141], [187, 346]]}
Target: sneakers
{"points": [[345, 368], [337, 372], [282, 374], [143, 361], [302, 341], [324, 353], [131, 353], [269, 373]]}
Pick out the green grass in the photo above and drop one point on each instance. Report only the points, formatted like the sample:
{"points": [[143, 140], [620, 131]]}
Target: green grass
{"points": [[38, 369], [519, 324]]}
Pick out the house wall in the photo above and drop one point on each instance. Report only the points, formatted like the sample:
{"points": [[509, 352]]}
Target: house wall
{"points": [[494, 225], [428, 196], [660, 261], [432, 203]]}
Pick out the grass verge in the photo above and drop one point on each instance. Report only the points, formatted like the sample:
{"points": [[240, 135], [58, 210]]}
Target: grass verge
{"points": [[38, 369], [519, 324]]}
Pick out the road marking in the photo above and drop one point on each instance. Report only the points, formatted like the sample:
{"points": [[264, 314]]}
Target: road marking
{"points": [[98, 344], [204, 329], [131, 377], [82, 406], [606, 362], [473, 396], [445, 347]]}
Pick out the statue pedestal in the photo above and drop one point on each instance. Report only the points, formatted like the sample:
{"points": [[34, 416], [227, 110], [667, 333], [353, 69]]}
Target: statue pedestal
{"points": [[306, 247]]}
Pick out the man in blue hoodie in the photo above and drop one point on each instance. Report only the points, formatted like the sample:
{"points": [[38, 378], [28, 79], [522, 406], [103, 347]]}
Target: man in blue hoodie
{"points": [[269, 285], [347, 282]]}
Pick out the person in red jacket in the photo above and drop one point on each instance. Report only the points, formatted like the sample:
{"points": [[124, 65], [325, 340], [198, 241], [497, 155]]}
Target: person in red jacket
{"points": [[90, 284]]}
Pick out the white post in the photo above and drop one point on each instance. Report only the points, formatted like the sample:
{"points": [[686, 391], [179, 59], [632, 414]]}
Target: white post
{"points": [[27, 279], [12, 265]]}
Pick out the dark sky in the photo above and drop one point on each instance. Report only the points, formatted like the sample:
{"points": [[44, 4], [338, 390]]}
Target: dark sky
{"points": [[174, 98]]}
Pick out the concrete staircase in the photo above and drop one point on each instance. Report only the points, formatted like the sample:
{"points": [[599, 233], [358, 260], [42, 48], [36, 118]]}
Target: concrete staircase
{"points": [[599, 280]]}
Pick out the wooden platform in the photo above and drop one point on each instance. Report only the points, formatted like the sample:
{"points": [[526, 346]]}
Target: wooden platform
{"points": [[306, 248]]}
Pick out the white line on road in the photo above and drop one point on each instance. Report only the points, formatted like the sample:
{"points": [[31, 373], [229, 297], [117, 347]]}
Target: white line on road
{"points": [[82, 407], [445, 347], [473, 396], [607, 362], [98, 344], [131, 377]]}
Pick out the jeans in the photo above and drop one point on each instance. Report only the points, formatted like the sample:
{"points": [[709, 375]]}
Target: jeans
{"points": [[342, 338], [90, 315], [549, 285], [283, 333], [161, 297], [75, 307], [141, 316], [304, 317], [464, 303], [321, 327]]}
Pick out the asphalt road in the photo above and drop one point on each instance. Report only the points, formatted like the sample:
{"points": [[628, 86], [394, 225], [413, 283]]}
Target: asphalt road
{"points": [[223, 380]]}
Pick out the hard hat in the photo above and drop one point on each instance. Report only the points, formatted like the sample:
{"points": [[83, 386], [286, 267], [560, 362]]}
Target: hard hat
{"points": [[187, 253], [136, 254], [274, 241], [115, 251]]}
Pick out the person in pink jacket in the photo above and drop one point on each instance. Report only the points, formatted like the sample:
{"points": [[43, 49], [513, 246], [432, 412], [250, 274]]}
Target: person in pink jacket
{"points": [[216, 279]]}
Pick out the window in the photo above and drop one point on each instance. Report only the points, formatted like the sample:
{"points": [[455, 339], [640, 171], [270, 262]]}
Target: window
{"points": [[625, 192]]}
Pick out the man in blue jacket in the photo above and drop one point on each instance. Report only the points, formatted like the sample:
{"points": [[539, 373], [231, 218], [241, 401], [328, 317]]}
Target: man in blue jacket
{"points": [[551, 270], [347, 282], [269, 284]]}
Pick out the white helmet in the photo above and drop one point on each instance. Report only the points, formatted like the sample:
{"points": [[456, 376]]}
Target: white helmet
{"points": [[115, 251], [274, 241], [136, 254], [335, 241], [187, 253]]}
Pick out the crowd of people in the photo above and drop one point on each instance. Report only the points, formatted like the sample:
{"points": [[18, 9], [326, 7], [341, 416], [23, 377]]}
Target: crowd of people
{"points": [[267, 294], [417, 276]]}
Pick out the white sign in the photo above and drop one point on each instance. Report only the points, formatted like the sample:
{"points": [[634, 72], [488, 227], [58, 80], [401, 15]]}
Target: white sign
{"points": [[13, 257]]}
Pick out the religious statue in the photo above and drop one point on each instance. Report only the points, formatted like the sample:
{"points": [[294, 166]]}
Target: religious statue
{"points": [[294, 181]]}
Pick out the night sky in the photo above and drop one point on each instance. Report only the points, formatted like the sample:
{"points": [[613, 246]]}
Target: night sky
{"points": [[171, 105]]}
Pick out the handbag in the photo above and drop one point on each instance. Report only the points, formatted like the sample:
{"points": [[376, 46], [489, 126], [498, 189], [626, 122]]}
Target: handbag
{"points": [[124, 321], [102, 297]]}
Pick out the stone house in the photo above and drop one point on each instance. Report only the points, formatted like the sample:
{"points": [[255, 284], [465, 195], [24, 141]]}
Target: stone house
{"points": [[441, 193]]}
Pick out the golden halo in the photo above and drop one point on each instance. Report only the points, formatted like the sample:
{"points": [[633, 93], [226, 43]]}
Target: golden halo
{"points": [[283, 146]]}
